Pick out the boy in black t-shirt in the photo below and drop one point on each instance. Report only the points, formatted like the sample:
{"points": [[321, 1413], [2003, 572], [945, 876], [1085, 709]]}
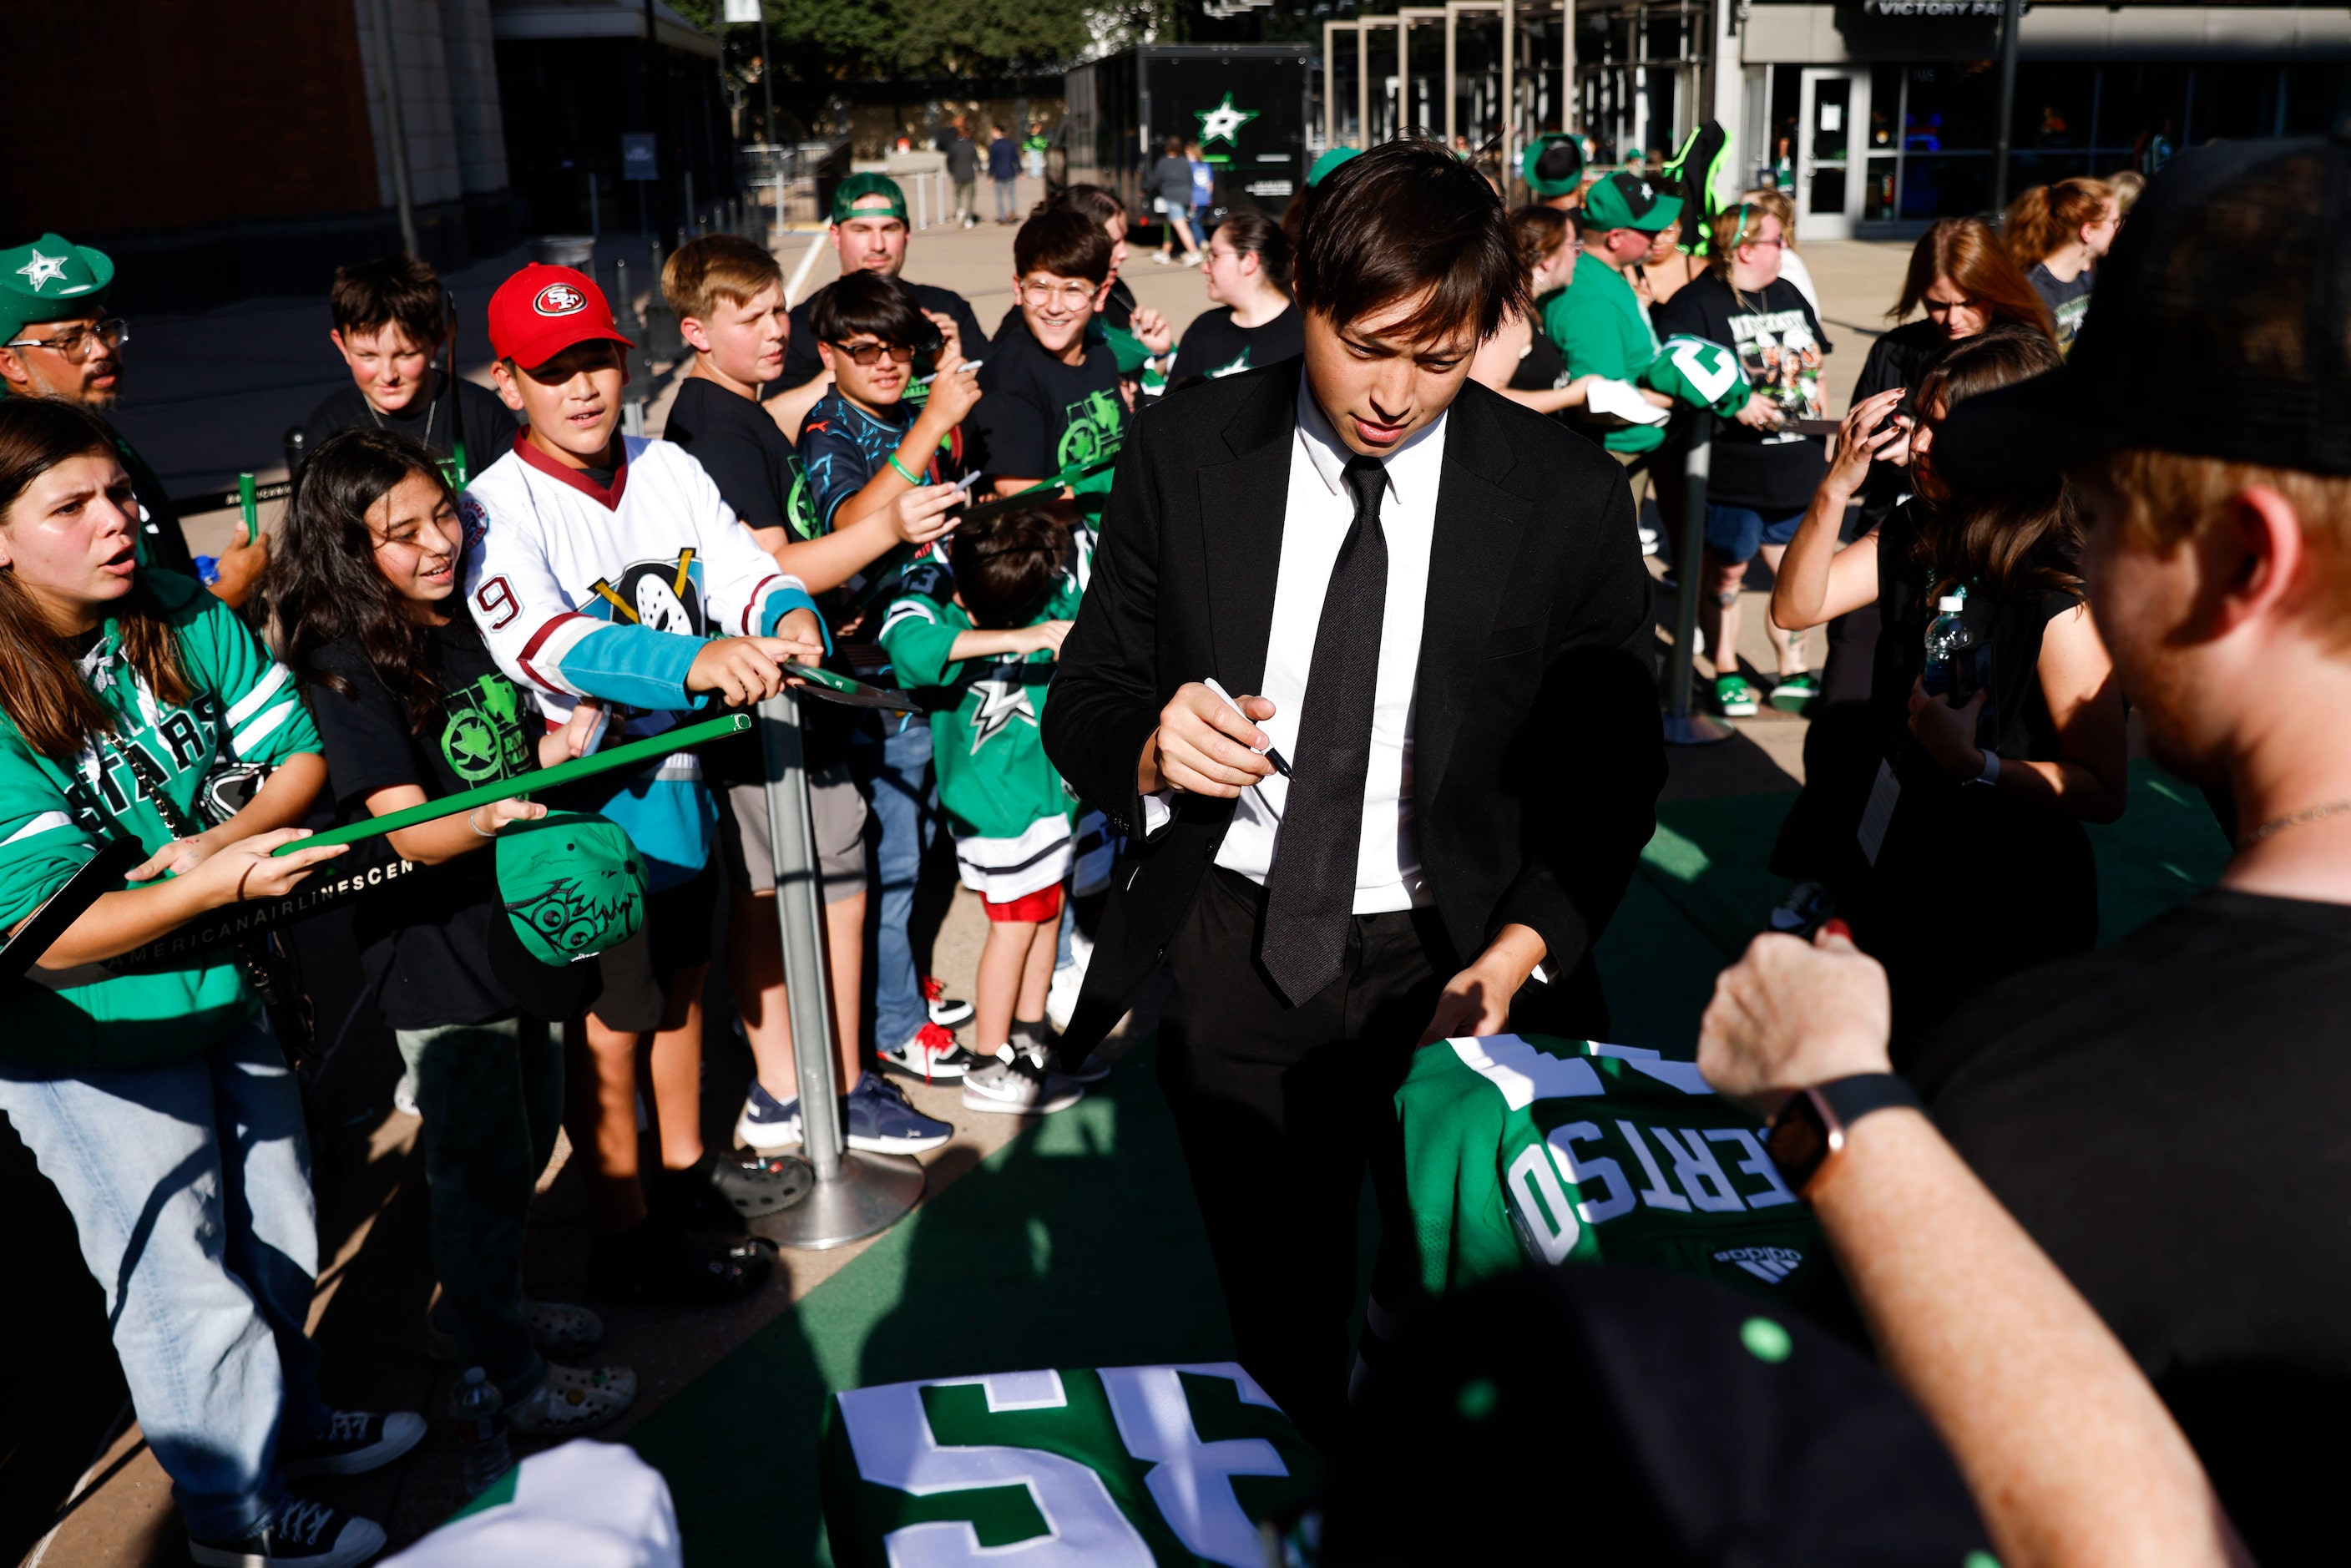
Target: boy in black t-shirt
{"points": [[1052, 397], [392, 322], [728, 296]]}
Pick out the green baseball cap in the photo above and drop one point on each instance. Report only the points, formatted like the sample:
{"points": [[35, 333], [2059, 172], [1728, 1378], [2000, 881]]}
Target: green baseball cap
{"points": [[1330, 161], [1553, 164], [572, 884], [857, 187], [1626, 201], [50, 279]]}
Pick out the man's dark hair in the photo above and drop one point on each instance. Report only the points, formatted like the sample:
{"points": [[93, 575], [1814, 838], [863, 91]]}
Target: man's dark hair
{"points": [[868, 304], [1063, 242], [1409, 220], [1005, 568], [390, 289]]}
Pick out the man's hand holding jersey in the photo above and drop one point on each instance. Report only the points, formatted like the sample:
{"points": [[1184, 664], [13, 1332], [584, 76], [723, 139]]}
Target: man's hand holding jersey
{"points": [[747, 670]]}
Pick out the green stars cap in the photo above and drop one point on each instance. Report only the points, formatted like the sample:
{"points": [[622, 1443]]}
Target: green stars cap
{"points": [[50, 279], [572, 883], [1626, 201], [1330, 161], [857, 187], [1553, 164]]}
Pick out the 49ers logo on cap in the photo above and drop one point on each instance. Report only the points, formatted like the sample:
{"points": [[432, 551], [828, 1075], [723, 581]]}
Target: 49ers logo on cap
{"points": [[559, 300]]}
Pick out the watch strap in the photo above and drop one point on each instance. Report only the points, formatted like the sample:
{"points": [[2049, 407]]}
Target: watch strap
{"points": [[1851, 1099]]}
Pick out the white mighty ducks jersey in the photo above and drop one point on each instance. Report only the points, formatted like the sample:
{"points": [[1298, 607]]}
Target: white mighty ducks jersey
{"points": [[585, 592]]}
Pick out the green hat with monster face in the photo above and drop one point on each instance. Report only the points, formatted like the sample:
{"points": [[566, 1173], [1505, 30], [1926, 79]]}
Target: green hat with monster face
{"points": [[572, 883]]}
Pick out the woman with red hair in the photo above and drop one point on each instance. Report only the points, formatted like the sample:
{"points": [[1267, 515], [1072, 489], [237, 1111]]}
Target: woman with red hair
{"points": [[2056, 235]]}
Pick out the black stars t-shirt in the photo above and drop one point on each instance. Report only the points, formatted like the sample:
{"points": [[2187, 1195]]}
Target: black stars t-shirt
{"points": [[1037, 415], [424, 941], [1215, 345], [747, 455]]}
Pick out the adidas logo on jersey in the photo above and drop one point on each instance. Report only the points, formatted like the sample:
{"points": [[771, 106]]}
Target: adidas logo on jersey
{"points": [[1769, 1264]]}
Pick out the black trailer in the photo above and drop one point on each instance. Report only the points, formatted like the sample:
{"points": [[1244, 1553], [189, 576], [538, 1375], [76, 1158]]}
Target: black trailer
{"points": [[1247, 105]]}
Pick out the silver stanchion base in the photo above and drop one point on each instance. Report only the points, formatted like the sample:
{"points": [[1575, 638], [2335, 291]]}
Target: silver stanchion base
{"points": [[871, 1194], [1695, 729]]}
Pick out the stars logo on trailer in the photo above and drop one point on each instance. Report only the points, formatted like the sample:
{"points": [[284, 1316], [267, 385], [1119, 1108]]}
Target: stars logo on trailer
{"points": [[1223, 123]]}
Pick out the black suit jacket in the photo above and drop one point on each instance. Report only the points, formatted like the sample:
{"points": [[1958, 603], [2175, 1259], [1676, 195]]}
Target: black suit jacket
{"points": [[1537, 752]]}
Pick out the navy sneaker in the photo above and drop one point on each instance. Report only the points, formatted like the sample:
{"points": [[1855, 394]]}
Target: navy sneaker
{"points": [[355, 1442], [879, 1120], [301, 1534], [768, 1124]]}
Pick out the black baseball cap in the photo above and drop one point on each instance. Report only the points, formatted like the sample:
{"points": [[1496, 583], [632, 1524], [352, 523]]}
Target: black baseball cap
{"points": [[2216, 328]]}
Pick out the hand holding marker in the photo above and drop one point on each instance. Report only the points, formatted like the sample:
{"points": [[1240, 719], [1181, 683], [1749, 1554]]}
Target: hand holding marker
{"points": [[1280, 764]]}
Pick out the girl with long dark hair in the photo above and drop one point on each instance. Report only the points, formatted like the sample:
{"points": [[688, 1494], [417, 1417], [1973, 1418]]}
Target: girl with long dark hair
{"points": [[155, 1096], [413, 708], [1977, 864]]}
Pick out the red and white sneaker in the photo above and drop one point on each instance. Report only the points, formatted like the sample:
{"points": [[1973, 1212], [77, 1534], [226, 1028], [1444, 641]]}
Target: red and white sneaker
{"points": [[947, 1011], [931, 1053]]}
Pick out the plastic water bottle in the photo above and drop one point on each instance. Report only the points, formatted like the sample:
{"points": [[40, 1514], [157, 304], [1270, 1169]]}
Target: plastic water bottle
{"points": [[1947, 640], [481, 1417], [1958, 663]]}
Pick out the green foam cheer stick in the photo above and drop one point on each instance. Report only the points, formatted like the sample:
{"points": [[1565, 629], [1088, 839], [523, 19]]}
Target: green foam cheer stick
{"points": [[579, 767]]}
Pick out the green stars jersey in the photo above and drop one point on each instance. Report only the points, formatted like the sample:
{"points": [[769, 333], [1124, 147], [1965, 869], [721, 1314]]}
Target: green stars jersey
{"points": [[995, 778], [1127, 1466], [1512, 1151], [1601, 329], [1698, 372], [244, 717]]}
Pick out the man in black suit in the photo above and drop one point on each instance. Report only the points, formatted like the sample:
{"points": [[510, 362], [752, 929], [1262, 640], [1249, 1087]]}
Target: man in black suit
{"points": [[1440, 602]]}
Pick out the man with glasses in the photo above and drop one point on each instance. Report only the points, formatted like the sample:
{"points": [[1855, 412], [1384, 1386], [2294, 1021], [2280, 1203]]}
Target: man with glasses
{"points": [[869, 234], [58, 339], [1053, 402]]}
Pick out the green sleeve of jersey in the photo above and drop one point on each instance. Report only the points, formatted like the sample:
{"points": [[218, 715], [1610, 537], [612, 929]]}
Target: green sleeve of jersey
{"points": [[260, 700], [917, 638], [41, 843], [1443, 1224]]}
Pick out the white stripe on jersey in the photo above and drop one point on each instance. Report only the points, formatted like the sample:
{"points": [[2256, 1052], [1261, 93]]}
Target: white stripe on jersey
{"points": [[246, 706], [37, 825]]}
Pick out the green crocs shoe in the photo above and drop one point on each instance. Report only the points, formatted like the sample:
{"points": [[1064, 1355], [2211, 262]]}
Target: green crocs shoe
{"points": [[1796, 692], [1734, 698]]}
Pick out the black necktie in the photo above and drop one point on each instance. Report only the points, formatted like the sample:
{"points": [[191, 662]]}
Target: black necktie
{"points": [[1310, 890]]}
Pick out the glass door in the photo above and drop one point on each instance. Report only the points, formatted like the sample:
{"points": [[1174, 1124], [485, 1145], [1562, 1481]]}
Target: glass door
{"points": [[1829, 153]]}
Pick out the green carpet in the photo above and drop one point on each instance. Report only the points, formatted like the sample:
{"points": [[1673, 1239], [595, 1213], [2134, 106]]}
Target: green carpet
{"points": [[1077, 1244]]}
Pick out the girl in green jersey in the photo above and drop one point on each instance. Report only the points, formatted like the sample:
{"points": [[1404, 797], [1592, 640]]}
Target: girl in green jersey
{"points": [[137, 705]]}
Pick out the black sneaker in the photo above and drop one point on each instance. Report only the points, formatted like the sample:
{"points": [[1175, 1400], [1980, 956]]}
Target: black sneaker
{"points": [[650, 1263], [725, 1190], [301, 1534], [355, 1442]]}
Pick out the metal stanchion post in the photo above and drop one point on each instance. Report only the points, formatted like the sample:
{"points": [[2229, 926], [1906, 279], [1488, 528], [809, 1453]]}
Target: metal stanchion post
{"points": [[1684, 728], [856, 1194]]}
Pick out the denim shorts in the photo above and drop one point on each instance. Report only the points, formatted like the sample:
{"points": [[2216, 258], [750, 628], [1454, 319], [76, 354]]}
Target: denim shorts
{"points": [[1736, 533]]}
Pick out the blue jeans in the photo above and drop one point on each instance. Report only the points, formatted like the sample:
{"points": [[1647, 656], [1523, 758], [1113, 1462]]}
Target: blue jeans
{"points": [[895, 773], [190, 1189]]}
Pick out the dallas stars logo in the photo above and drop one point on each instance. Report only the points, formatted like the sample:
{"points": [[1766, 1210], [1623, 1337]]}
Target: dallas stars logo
{"points": [[1223, 123], [1002, 699], [42, 270]]}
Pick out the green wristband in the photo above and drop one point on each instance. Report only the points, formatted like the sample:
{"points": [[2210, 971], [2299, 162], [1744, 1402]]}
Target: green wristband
{"points": [[910, 479]]}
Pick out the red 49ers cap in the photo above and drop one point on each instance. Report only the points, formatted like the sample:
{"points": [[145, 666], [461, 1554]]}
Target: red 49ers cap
{"points": [[542, 310]]}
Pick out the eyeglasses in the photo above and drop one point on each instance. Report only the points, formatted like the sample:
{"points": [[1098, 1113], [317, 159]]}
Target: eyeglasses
{"points": [[871, 353], [1075, 296], [77, 343]]}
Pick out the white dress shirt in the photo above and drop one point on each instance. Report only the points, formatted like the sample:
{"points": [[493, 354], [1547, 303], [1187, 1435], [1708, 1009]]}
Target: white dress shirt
{"points": [[1321, 511]]}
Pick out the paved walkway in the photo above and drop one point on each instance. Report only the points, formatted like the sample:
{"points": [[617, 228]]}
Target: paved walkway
{"points": [[990, 1273]]}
